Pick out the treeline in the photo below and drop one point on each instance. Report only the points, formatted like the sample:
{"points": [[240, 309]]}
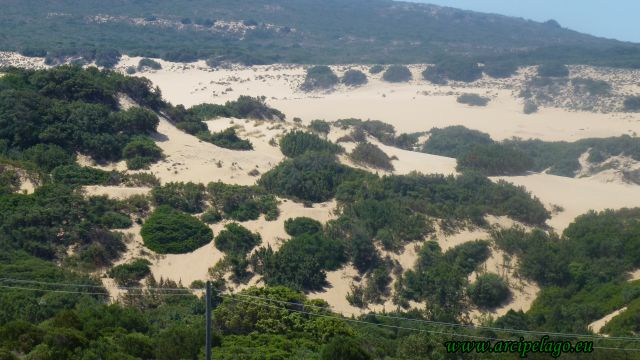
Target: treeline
{"points": [[476, 151]]}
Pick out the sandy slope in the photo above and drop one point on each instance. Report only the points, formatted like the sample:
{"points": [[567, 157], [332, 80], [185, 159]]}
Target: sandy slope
{"points": [[577, 196], [597, 325], [410, 107]]}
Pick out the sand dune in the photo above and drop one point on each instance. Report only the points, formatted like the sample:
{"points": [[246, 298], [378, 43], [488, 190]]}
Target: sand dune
{"points": [[597, 325]]}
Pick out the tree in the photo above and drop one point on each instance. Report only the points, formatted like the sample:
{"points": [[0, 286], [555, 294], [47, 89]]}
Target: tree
{"points": [[354, 78], [370, 155], [188, 197], [235, 239], [397, 74], [140, 152], [489, 291], [319, 77], [169, 231], [302, 225], [296, 143], [343, 348]]}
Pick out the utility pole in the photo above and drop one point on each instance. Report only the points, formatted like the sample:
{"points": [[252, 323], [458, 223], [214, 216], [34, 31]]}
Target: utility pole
{"points": [[208, 325]]}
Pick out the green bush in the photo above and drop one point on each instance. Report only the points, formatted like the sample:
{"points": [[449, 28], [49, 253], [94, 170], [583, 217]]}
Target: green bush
{"points": [[354, 78], [140, 152], [343, 348], [320, 126], [211, 216], [370, 155], [473, 100], [170, 231], [376, 69], [591, 87], [243, 203], [48, 156], [296, 143], [489, 291], [530, 107], [500, 70], [310, 176], [83, 175], [319, 77], [148, 63], [302, 225], [188, 197], [632, 104], [397, 74], [236, 240], [454, 141], [131, 273], [495, 160], [553, 70], [456, 69], [227, 139]]}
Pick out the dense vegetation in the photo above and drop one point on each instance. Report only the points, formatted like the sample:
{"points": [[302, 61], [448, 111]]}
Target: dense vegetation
{"points": [[305, 31], [227, 139], [188, 197], [476, 150], [146, 63], [319, 77], [297, 143], [170, 231], [553, 70], [456, 69], [130, 274], [632, 104], [384, 132], [245, 107], [473, 99], [236, 240], [583, 273], [354, 77], [489, 290], [396, 74], [302, 225], [49, 115], [369, 154], [242, 203]]}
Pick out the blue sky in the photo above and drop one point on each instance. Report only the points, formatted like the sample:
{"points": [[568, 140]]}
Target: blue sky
{"points": [[617, 19]]}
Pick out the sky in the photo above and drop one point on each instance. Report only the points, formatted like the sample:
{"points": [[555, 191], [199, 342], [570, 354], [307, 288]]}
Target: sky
{"points": [[616, 19]]}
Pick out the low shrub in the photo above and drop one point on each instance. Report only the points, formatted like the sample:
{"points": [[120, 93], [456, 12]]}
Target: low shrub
{"points": [[319, 78], [370, 155], [237, 240], [170, 231], [354, 78], [130, 273], [396, 74], [489, 291], [473, 100]]}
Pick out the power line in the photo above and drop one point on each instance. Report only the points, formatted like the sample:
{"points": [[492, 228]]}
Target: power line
{"points": [[341, 317], [430, 322]]}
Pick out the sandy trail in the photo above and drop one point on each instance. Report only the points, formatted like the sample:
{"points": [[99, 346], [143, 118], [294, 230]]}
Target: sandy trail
{"points": [[597, 325]]}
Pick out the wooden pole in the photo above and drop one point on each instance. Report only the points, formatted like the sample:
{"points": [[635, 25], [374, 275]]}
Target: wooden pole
{"points": [[208, 325]]}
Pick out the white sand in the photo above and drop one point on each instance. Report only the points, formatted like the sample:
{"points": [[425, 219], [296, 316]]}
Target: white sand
{"points": [[634, 275], [403, 105], [577, 196], [597, 325]]}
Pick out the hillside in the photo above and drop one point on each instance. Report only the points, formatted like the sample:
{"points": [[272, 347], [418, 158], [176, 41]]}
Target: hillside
{"points": [[292, 31]]}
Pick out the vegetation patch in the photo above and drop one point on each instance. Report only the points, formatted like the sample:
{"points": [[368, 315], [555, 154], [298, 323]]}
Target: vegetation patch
{"points": [[130, 274], [319, 77], [354, 78], [227, 139], [237, 240], [188, 197], [456, 69], [632, 104], [242, 203], [146, 63], [553, 70], [397, 74], [170, 231], [489, 291], [296, 143], [473, 99], [370, 155]]}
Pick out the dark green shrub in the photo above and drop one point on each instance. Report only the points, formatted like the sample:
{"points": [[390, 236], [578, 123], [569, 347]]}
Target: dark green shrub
{"points": [[396, 74], [530, 107], [83, 175], [495, 160], [141, 152], [170, 231], [553, 70], [227, 139], [145, 63], [500, 70], [243, 203], [489, 291], [248, 107], [188, 197], [473, 100], [131, 70], [370, 155], [591, 87], [344, 348], [320, 126], [319, 77], [455, 68], [48, 156], [302, 225], [354, 78], [211, 216], [130, 273], [296, 143], [632, 104], [453, 141], [235, 239], [310, 176], [376, 69]]}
